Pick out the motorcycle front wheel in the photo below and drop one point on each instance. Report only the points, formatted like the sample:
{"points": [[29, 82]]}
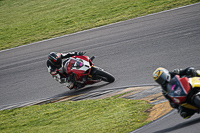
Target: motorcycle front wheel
{"points": [[105, 76]]}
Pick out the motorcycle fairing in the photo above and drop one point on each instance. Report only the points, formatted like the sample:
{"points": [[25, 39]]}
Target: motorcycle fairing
{"points": [[78, 66], [194, 81], [186, 105], [176, 89], [185, 83], [82, 66]]}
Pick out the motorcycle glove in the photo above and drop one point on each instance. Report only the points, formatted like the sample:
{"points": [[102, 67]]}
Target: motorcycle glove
{"points": [[191, 72], [176, 71], [81, 53]]}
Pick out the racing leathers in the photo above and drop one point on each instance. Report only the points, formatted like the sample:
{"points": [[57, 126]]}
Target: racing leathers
{"points": [[57, 71], [191, 72]]}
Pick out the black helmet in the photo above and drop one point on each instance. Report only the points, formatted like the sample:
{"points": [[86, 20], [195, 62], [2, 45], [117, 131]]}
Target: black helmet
{"points": [[55, 59]]}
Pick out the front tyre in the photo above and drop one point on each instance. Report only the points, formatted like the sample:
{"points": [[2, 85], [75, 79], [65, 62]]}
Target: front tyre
{"points": [[105, 76]]}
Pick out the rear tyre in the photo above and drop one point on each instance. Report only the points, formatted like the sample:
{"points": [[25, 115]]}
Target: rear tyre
{"points": [[197, 100], [105, 76]]}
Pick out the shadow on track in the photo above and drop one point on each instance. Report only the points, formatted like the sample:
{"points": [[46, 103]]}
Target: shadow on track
{"points": [[80, 91], [179, 126]]}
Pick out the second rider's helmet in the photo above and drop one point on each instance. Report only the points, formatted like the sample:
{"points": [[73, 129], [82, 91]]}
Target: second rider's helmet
{"points": [[55, 59], [161, 76]]}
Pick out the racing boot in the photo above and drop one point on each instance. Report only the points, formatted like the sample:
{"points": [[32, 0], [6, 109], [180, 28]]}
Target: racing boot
{"points": [[70, 85]]}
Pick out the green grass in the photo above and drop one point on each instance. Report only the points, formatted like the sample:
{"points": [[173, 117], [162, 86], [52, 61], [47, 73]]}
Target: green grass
{"points": [[87, 116], [27, 21]]}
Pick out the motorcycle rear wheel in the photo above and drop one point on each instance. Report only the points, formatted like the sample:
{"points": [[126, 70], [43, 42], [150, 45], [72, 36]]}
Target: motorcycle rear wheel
{"points": [[105, 76], [197, 101]]}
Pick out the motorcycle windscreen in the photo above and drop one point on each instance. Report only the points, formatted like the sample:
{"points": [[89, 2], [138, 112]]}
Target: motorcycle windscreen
{"points": [[78, 64], [175, 88], [72, 65]]}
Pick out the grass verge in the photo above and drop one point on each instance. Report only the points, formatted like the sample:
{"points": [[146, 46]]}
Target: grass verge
{"points": [[27, 21], [87, 116]]}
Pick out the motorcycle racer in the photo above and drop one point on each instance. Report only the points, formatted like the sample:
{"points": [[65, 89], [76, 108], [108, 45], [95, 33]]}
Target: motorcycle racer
{"points": [[162, 76], [55, 67]]}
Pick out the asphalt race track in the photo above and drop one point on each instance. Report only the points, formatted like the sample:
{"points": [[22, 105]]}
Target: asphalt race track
{"points": [[172, 123], [130, 50]]}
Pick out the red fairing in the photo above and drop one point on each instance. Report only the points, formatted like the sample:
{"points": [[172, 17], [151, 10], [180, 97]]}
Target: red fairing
{"points": [[185, 82], [179, 100], [86, 58], [70, 70], [186, 86], [79, 73]]}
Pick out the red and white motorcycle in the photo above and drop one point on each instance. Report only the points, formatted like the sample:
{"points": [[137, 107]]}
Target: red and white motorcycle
{"points": [[85, 72]]}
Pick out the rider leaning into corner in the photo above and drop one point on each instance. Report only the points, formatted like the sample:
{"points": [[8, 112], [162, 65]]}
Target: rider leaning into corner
{"points": [[164, 78], [55, 67]]}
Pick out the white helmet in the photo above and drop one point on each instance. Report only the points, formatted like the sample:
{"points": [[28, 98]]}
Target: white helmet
{"points": [[161, 76]]}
